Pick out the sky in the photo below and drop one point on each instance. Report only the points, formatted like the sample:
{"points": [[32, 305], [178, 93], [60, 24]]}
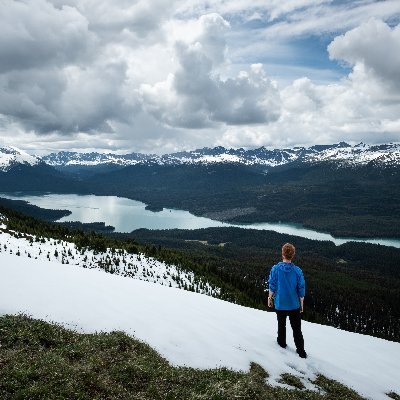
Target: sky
{"points": [[158, 76]]}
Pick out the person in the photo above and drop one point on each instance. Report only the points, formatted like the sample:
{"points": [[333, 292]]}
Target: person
{"points": [[287, 290]]}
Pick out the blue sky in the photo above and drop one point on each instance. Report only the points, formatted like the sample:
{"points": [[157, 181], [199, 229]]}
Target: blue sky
{"points": [[171, 75]]}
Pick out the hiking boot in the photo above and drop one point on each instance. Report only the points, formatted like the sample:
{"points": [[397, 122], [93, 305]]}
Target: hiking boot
{"points": [[301, 353], [283, 345]]}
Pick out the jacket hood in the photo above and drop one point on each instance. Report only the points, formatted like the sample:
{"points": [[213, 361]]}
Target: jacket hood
{"points": [[287, 267]]}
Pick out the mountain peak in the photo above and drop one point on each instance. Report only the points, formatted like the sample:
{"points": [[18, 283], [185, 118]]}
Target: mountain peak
{"points": [[11, 156]]}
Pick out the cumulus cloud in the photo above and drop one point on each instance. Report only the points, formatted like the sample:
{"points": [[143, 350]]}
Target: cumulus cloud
{"points": [[39, 35], [195, 95], [126, 20], [164, 75], [373, 47], [69, 100], [55, 73], [364, 106]]}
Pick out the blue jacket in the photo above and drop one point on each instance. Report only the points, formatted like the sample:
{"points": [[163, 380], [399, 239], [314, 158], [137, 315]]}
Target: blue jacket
{"points": [[286, 281]]}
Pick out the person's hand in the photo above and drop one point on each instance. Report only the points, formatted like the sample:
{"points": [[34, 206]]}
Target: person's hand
{"points": [[270, 302], [301, 308]]}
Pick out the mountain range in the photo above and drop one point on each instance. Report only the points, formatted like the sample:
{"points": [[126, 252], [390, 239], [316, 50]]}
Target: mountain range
{"points": [[341, 153]]}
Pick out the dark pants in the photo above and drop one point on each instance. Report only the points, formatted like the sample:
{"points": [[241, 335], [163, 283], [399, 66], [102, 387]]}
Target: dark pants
{"points": [[295, 322]]}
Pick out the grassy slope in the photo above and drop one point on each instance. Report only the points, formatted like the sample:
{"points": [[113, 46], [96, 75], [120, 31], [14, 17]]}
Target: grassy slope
{"points": [[43, 361]]}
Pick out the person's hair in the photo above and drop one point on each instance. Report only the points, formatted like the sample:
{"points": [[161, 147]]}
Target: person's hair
{"points": [[288, 251]]}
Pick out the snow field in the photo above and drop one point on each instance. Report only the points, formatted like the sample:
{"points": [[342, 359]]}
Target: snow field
{"points": [[136, 266], [192, 329]]}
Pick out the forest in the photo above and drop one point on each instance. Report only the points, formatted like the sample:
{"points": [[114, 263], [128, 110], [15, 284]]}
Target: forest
{"points": [[32, 210], [346, 202], [362, 202]]}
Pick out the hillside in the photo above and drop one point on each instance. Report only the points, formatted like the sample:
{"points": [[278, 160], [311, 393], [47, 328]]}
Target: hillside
{"points": [[192, 329], [48, 361], [132, 264], [354, 286]]}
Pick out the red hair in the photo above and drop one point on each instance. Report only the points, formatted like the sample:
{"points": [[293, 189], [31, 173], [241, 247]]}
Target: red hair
{"points": [[288, 251]]}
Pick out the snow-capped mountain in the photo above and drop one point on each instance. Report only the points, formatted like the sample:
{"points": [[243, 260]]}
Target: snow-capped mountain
{"points": [[11, 157], [360, 154], [69, 158], [193, 330], [341, 153], [22, 171]]}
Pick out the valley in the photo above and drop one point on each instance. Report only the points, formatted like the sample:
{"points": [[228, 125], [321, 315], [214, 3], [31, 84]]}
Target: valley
{"points": [[339, 189]]}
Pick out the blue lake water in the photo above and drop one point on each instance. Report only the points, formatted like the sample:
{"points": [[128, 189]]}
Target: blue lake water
{"points": [[127, 215]]}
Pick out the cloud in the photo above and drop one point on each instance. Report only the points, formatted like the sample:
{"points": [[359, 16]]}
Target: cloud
{"points": [[164, 75], [55, 73], [373, 47], [364, 106], [129, 21], [195, 96], [40, 35], [315, 18], [67, 100]]}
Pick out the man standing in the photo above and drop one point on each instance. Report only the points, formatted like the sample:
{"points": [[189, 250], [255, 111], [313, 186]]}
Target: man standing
{"points": [[286, 290]]}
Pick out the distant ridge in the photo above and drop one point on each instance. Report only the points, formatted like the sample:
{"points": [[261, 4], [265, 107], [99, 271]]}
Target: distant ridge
{"points": [[343, 154]]}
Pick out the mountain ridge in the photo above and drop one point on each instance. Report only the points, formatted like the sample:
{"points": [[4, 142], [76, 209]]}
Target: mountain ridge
{"points": [[342, 153]]}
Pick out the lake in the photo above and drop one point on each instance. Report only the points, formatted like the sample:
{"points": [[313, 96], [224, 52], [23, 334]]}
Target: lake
{"points": [[127, 215]]}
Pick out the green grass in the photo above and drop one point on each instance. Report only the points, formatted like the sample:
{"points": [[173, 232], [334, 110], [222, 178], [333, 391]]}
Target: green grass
{"points": [[292, 380], [43, 361]]}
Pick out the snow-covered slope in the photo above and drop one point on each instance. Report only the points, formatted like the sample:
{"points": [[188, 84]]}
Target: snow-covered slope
{"points": [[68, 158], [11, 156], [192, 329], [341, 153], [361, 154], [119, 262]]}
